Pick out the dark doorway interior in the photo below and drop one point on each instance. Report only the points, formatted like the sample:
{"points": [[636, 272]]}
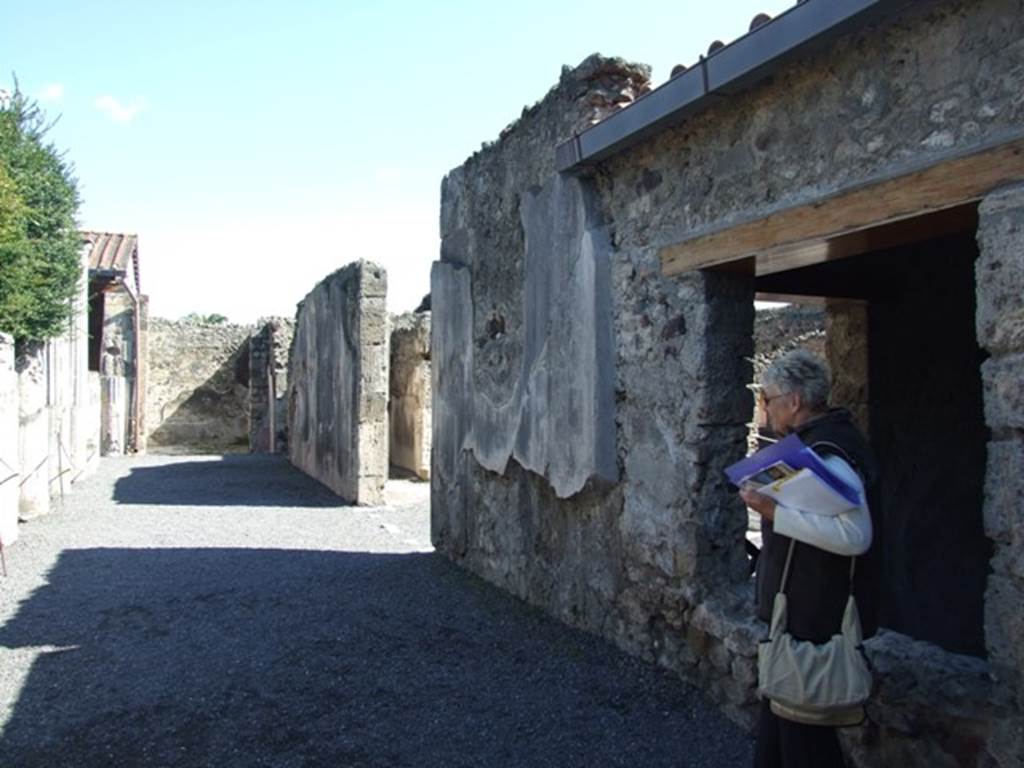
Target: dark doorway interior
{"points": [[927, 427]]}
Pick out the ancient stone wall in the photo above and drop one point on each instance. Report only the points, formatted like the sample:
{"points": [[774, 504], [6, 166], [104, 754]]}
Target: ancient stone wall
{"points": [[197, 394], [580, 423], [10, 472], [268, 385], [338, 384], [409, 411], [58, 430], [648, 553], [1000, 329]]}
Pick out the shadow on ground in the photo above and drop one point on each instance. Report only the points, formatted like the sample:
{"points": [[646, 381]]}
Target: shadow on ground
{"points": [[233, 657], [249, 480]]}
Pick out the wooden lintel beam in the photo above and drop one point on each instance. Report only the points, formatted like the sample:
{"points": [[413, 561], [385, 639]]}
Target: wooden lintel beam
{"points": [[947, 182]]}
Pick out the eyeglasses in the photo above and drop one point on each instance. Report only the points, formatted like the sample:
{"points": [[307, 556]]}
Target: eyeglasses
{"points": [[768, 400]]}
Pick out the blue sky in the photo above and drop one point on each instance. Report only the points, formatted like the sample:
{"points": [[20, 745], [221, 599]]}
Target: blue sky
{"points": [[256, 147]]}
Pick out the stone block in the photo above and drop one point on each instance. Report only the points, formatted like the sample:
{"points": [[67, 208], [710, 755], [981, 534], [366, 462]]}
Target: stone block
{"points": [[720, 657], [1006, 744], [1003, 379], [1004, 489], [1000, 271], [744, 671], [1004, 626], [373, 280]]}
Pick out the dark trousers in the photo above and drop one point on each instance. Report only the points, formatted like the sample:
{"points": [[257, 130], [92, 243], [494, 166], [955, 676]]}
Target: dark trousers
{"points": [[785, 744]]}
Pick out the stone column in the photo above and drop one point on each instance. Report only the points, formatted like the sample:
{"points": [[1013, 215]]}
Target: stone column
{"points": [[9, 465], [1000, 330], [33, 433]]}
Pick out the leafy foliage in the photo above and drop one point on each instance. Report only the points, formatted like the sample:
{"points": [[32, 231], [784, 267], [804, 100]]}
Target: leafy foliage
{"points": [[39, 242], [211, 319]]}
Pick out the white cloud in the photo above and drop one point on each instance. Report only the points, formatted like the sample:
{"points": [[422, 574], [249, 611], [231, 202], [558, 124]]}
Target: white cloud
{"points": [[52, 92], [116, 111]]}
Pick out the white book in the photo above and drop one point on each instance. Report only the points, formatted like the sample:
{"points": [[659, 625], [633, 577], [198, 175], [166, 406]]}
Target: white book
{"points": [[805, 491]]}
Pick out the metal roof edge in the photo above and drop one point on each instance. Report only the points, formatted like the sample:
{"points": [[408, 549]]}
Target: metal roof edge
{"points": [[722, 74]]}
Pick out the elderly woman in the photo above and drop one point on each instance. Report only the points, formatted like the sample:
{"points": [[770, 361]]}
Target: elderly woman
{"points": [[795, 393]]}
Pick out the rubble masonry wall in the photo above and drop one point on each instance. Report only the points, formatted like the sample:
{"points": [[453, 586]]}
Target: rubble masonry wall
{"points": [[647, 552], [197, 387]]}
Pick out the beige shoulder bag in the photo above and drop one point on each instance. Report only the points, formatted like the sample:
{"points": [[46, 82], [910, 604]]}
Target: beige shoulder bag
{"points": [[814, 683]]}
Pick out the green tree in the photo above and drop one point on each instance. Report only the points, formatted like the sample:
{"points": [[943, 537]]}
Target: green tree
{"points": [[211, 319], [39, 241]]}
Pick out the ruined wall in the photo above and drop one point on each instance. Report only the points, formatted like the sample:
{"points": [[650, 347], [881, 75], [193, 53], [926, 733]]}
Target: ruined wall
{"points": [[409, 404], [1000, 330], [9, 464], [604, 502], [942, 76], [197, 394], [338, 384], [649, 554], [268, 385]]}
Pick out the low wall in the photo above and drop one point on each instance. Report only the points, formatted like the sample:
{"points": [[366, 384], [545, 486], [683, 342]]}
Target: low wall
{"points": [[197, 389], [338, 384], [409, 406]]}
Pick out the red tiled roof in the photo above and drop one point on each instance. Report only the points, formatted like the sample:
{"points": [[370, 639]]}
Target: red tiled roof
{"points": [[110, 251]]}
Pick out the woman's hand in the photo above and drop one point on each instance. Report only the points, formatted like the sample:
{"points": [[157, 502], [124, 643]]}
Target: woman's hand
{"points": [[763, 505]]}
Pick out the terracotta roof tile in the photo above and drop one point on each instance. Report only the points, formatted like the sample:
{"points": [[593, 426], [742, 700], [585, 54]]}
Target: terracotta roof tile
{"points": [[110, 252]]}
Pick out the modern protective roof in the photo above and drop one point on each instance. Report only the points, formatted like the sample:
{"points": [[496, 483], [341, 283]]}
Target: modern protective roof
{"points": [[726, 71]]}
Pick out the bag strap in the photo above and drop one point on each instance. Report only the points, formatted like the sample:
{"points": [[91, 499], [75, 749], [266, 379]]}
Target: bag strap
{"points": [[789, 562], [785, 571]]}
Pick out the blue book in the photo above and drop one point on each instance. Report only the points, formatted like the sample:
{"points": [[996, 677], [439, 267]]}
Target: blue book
{"points": [[788, 460]]}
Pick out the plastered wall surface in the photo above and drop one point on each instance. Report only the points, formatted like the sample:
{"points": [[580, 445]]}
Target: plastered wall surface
{"points": [[338, 384], [647, 552], [57, 434], [409, 404], [197, 392], [33, 433], [9, 464]]}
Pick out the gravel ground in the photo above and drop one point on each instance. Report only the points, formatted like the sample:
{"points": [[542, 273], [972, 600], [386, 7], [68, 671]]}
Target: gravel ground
{"points": [[227, 611]]}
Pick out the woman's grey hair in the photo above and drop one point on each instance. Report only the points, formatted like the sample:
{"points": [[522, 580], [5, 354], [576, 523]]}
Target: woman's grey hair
{"points": [[802, 372]]}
